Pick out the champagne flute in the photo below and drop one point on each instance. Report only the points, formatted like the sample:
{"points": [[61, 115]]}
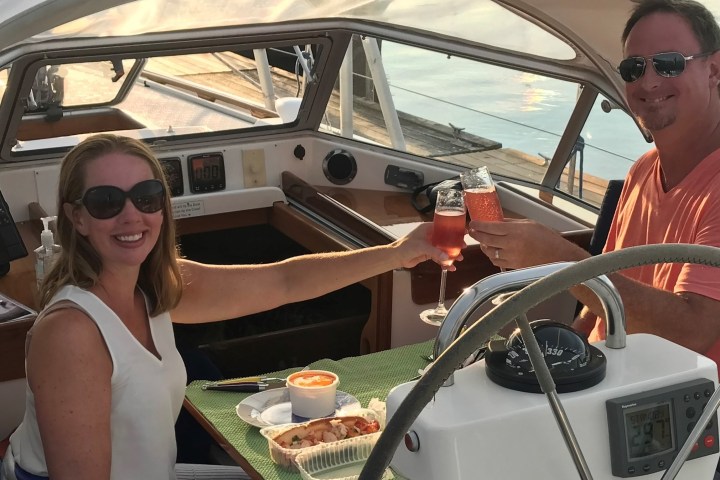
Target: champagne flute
{"points": [[481, 197], [447, 234]]}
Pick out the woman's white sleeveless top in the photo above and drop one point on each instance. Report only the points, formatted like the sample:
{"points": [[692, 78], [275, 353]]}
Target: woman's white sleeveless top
{"points": [[147, 394]]}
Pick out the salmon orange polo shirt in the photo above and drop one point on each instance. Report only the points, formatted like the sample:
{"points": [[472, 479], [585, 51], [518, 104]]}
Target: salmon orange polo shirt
{"points": [[688, 213]]}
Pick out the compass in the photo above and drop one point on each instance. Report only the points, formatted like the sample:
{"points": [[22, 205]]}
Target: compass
{"points": [[574, 364]]}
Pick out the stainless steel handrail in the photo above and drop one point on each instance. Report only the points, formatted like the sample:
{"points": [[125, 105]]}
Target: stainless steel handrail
{"points": [[475, 296]]}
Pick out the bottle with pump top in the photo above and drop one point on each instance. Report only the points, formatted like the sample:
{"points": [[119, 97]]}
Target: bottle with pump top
{"points": [[46, 253]]}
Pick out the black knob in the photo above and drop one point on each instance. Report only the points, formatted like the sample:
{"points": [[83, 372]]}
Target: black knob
{"points": [[299, 152]]}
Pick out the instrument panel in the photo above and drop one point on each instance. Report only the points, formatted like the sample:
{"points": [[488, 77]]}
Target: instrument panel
{"points": [[647, 429], [206, 172], [174, 175]]}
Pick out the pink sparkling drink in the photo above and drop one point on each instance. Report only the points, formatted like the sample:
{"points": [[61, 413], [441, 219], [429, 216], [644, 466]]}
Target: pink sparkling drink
{"points": [[448, 233], [484, 204]]}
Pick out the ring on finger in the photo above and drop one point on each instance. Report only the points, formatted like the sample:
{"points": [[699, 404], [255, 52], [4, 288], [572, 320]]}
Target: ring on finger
{"points": [[497, 254]]}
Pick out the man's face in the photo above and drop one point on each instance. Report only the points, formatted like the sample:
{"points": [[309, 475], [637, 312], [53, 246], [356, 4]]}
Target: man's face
{"points": [[679, 102]]}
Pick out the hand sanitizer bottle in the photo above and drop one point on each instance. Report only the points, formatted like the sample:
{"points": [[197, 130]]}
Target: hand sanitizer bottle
{"points": [[46, 253]]}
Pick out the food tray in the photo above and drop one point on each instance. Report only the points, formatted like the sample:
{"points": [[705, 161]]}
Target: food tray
{"points": [[285, 457], [338, 461]]}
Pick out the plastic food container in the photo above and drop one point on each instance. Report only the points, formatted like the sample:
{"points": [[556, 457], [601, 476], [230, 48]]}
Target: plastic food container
{"points": [[285, 457], [338, 461]]}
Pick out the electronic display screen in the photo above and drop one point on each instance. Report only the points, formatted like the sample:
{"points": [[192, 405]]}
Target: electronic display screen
{"points": [[207, 172], [649, 430], [173, 174]]}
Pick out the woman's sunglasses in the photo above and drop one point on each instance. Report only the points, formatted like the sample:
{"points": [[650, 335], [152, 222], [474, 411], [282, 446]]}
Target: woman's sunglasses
{"points": [[106, 201], [668, 64]]}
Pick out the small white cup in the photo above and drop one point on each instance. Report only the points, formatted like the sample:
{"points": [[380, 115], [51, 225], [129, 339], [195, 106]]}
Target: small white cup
{"points": [[312, 393]]}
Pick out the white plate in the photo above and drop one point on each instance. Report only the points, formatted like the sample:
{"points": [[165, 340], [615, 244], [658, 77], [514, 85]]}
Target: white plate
{"points": [[272, 407]]}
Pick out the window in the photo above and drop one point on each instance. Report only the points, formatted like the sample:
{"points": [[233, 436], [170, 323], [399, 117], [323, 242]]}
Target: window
{"points": [[162, 96], [469, 113]]}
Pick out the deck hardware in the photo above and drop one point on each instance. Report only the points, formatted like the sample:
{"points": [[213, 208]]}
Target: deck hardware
{"points": [[403, 177], [299, 152], [339, 166], [475, 296], [412, 442]]}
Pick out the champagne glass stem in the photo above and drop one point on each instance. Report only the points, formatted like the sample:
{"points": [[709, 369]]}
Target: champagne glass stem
{"points": [[437, 315], [441, 300]]}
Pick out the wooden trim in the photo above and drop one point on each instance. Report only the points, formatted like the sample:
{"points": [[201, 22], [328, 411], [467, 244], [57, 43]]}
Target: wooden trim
{"points": [[314, 237], [76, 123], [304, 231], [222, 221], [12, 346], [346, 219], [378, 330], [210, 94], [221, 440], [19, 285]]}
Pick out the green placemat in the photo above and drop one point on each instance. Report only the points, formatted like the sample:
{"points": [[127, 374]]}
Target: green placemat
{"points": [[365, 377]]}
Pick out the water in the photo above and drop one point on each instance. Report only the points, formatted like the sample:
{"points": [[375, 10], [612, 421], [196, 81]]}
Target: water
{"points": [[521, 110]]}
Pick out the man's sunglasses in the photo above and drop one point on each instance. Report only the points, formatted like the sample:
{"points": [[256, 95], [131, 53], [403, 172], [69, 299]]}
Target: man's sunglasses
{"points": [[106, 201], [668, 64]]}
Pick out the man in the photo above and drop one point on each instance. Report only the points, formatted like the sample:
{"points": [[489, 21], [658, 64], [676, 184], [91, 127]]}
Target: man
{"points": [[672, 193]]}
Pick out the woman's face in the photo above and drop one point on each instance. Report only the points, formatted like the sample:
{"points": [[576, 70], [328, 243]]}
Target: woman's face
{"points": [[126, 239]]}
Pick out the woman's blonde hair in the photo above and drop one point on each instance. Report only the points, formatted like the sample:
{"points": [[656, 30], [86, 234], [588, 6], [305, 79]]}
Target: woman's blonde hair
{"points": [[78, 263]]}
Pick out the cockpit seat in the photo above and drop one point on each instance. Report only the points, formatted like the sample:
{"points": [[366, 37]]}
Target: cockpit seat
{"points": [[605, 216]]}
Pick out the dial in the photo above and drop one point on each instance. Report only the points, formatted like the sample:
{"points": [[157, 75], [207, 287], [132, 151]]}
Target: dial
{"points": [[564, 350], [206, 172], [173, 174], [574, 364]]}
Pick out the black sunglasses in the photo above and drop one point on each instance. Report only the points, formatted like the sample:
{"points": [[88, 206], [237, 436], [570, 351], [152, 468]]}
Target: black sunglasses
{"points": [[106, 201], [668, 64]]}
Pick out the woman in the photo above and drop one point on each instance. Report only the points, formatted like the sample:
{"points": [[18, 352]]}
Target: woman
{"points": [[105, 381]]}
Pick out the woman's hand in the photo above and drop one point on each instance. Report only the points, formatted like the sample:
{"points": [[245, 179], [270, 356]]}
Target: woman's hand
{"points": [[416, 247]]}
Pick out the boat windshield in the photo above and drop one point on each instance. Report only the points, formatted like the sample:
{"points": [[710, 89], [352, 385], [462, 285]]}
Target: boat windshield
{"points": [[469, 113]]}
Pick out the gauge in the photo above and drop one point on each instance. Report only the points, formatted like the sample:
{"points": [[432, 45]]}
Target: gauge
{"points": [[647, 429], [574, 364], [173, 174], [206, 172]]}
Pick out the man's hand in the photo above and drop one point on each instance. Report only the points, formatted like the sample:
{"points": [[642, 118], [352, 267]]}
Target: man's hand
{"points": [[523, 243]]}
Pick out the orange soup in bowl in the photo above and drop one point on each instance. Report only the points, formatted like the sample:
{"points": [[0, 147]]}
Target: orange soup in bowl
{"points": [[310, 379]]}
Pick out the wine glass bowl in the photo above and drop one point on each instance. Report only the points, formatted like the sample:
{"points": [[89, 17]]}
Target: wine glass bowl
{"points": [[447, 234], [481, 197]]}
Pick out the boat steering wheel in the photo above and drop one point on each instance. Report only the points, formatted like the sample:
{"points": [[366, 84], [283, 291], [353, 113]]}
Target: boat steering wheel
{"points": [[479, 333]]}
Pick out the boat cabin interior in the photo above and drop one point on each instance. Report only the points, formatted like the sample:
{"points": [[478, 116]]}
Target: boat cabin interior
{"points": [[311, 133]]}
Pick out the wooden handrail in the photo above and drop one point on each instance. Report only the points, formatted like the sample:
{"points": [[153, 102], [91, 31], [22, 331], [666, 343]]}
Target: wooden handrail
{"points": [[349, 220], [210, 94]]}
